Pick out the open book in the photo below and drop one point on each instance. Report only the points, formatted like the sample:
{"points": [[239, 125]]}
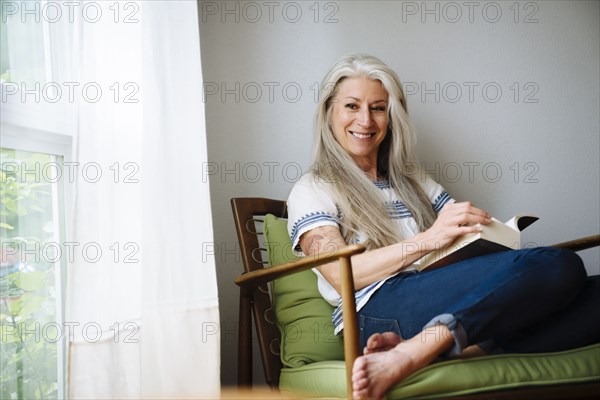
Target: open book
{"points": [[495, 236]]}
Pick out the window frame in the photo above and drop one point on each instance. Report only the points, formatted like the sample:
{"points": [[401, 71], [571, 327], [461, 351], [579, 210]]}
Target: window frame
{"points": [[59, 148]]}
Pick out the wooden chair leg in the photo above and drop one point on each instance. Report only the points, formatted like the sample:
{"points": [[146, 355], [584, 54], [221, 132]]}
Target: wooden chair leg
{"points": [[351, 334], [245, 341]]}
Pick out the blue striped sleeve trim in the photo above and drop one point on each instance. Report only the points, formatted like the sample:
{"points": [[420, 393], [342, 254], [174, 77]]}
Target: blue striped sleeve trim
{"points": [[308, 220], [441, 201]]}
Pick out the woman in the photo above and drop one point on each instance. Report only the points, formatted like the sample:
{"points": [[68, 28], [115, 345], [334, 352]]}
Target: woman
{"points": [[366, 189]]}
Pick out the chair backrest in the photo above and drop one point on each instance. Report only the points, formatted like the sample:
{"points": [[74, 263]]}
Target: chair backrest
{"points": [[248, 215]]}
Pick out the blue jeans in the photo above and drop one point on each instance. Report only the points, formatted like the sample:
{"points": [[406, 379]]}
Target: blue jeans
{"points": [[532, 300]]}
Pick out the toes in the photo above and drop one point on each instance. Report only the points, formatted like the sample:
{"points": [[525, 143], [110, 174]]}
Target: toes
{"points": [[359, 365], [360, 394], [381, 342], [391, 338], [360, 380], [360, 384], [373, 341], [358, 376]]}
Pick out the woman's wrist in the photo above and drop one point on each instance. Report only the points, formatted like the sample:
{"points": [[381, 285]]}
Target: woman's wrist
{"points": [[413, 249], [425, 242]]}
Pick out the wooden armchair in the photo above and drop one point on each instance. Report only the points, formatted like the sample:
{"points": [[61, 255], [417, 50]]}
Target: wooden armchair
{"points": [[255, 299]]}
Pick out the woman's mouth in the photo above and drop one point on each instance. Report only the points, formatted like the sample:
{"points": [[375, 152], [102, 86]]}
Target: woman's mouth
{"points": [[360, 135]]}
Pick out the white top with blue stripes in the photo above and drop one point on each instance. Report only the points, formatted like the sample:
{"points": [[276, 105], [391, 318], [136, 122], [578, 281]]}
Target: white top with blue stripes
{"points": [[310, 205]]}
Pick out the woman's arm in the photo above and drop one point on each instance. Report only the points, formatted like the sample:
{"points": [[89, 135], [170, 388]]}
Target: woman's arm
{"points": [[454, 219]]}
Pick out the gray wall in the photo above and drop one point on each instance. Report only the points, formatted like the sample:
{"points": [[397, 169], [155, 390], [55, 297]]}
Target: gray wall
{"points": [[506, 107]]}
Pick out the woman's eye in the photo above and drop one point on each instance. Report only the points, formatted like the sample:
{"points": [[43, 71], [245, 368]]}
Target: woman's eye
{"points": [[352, 106]]}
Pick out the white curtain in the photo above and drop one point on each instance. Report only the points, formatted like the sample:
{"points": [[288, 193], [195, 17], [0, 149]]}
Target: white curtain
{"points": [[142, 294]]}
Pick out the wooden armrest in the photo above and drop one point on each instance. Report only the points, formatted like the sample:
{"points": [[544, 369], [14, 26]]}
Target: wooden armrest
{"points": [[258, 277], [580, 244]]}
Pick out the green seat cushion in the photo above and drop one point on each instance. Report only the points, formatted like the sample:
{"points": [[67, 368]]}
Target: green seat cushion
{"points": [[303, 316], [457, 377]]}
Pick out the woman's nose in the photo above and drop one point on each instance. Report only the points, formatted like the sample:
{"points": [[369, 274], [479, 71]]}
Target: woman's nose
{"points": [[364, 117]]}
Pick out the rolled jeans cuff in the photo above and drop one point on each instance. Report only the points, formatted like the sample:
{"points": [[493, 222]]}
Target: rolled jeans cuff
{"points": [[456, 329]]}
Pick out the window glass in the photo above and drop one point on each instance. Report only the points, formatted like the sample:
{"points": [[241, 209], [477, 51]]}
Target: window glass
{"points": [[24, 63], [30, 275]]}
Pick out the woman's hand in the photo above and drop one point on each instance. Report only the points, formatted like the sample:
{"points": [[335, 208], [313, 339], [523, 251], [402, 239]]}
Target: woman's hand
{"points": [[454, 220]]}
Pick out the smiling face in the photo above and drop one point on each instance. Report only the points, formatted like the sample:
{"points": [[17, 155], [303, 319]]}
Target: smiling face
{"points": [[359, 120]]}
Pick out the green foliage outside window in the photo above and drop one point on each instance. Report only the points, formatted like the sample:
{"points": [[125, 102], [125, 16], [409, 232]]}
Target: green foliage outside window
{"points": [[30, 334]]}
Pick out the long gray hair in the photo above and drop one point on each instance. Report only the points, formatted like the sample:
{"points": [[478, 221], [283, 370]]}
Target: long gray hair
{"points": [[360, 201]]}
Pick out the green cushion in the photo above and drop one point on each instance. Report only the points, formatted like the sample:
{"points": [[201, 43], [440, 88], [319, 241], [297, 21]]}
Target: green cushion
{"points": [[303, 316], [458, 377]]}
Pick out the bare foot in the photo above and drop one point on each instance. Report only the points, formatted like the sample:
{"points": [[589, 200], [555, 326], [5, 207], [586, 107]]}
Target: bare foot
{"points": [[378, 342], [374, 373]]}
